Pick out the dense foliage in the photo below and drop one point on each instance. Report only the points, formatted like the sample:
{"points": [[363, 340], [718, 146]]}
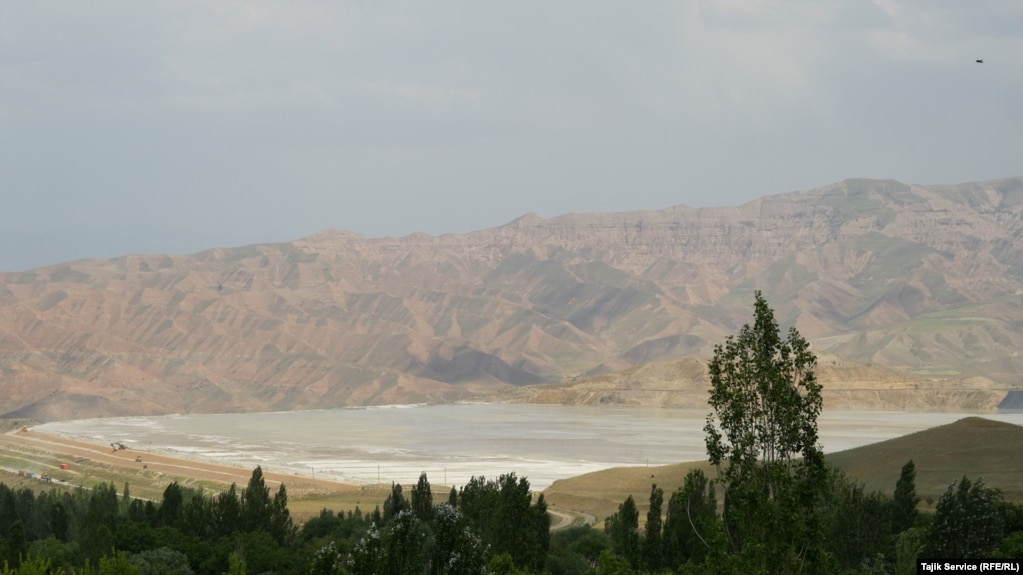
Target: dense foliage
{"points": [[489, 526], [784, 510], [487, 523], [762, 437]]}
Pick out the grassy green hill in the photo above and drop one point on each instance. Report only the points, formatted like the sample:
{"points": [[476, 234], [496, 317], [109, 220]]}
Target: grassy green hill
{"points": [[973, 446]]}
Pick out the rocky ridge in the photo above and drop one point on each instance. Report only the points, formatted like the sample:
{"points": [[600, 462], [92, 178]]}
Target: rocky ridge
{"points": [[924, 280]]}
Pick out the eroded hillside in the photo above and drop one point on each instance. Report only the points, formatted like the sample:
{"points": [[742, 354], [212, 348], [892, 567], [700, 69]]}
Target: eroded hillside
{"points": [[926, 280]]}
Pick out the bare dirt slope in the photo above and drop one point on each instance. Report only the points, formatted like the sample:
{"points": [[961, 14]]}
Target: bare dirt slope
{"points": [[926, 280], [847, 385], [88, 464]]}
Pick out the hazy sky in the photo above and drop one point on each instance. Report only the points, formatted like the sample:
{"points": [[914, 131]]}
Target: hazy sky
{"points": [[176, 126]]}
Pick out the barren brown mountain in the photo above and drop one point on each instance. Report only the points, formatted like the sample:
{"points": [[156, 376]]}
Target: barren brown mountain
{"points": [[924, 280]]}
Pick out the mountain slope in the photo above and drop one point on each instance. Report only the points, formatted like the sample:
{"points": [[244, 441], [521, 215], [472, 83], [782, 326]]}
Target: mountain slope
{"points": [[923, 279], [685, 383]]}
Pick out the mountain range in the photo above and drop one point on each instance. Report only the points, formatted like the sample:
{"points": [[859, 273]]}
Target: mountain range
{"points": [[922, 280]]}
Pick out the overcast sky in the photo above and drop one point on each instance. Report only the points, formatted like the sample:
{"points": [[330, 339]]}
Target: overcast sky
{"points": [[172, 127]]}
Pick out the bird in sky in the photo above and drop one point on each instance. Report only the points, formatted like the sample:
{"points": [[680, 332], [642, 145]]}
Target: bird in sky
{"points": [[980, 61]]}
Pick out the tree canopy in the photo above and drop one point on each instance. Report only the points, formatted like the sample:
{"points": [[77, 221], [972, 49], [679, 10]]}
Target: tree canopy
{"points": [[762, 437]]}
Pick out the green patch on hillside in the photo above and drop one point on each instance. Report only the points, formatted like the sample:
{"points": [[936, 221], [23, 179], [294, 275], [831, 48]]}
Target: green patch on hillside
{"points": [[930, 324], [21, 278], [50, 300], [511, 265], [66, 273], [859, 198], [1012, 190], [235, 255], [974, 446], [296, 255], [891, 257], [381, 306], [599, 494], [365, 498], [469, 323], [785, 278], [600, 272], [945, 320], [595, 307]]}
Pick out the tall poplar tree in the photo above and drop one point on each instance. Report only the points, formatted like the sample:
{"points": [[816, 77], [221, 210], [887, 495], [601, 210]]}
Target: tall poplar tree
{"points": [[652, 540], [622, 527], [905, 499], [762, 437], [422, 498]]}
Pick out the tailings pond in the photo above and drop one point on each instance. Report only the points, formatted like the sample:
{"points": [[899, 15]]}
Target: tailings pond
{"points": [[452, 443]]}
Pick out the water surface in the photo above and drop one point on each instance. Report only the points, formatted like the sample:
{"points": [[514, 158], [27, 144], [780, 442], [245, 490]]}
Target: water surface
{"points": [[452, 443]]}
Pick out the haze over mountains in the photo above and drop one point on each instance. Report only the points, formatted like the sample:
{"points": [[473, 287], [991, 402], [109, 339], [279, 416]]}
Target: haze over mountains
{"points": [[923, 280]]}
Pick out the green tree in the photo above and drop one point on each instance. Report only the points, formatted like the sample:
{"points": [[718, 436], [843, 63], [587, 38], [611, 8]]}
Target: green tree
{"points": [[326, 561], [610, 564], [198, 518], [395, 503], [538, 534], [32, 566], [406, 545], [908, 546], [691, 525], [279, 525], [57, 554], [103, 506], [227, 511], [422, 499], [117, 564], [236, 566], [15, 542], [857, 524], [125, 497], [161, 561], [762, 437], [503, 564], [652, 539], [967, 521], [456, 549], [95, 542], [170, 506], [574, 550], [622, 527], [59, 521], [256, 507], [366, 556], [264, 554], [503, 514], [905, 499]]}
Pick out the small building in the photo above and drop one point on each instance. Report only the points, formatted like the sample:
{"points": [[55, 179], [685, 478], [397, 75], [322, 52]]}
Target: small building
{"points": [[64, 466]]}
